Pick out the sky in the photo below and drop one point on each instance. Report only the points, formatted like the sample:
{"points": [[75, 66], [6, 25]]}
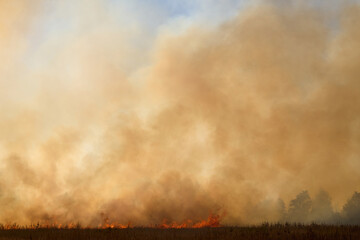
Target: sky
{"points": [[149, 110]]}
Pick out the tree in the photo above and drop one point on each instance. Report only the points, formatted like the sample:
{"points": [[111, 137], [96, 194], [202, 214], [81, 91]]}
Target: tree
{"points": [[351, 209], [299, 208], [322, 211], [281, 210]]}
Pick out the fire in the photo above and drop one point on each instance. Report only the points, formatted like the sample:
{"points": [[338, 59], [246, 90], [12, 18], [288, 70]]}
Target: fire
{"points": [[106, 224], [212, 221]]}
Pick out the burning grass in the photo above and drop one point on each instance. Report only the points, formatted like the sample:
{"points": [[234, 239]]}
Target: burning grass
{"points": [[212, 221]]}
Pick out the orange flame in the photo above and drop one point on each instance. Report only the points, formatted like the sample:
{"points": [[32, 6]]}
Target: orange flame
{"points": [[212, 221]]}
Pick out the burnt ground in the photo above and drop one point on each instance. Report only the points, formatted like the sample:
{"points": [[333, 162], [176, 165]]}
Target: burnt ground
{"points": [[265, 231]]}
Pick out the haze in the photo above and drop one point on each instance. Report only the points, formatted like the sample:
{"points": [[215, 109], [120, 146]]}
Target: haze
{"points": [[140, 111]]}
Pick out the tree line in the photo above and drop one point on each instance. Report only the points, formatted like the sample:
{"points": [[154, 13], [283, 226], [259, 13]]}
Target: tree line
{"points": [[303, 209]]}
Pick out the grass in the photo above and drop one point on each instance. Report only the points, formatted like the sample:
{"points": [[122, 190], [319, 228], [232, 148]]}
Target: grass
{"points": [[264, 232]]}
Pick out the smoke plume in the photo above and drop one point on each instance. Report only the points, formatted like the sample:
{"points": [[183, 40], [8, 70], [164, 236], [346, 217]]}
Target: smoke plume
{"points": [[233, 119]]}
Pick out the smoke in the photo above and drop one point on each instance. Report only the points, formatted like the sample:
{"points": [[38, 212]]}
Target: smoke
{"points": [[227, 119]]}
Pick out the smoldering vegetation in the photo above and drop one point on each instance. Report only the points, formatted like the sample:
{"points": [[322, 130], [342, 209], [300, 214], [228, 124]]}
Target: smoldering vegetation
{"points": [[224, 120]]}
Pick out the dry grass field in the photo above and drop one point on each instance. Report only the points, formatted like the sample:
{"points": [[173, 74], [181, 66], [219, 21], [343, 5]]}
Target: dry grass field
{"points": [[264, 232]]}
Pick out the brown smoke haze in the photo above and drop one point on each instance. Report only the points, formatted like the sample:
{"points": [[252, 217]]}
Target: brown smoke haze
{"points": [[227, 119]]}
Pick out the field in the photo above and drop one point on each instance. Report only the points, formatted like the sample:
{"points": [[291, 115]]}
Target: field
{"points": [[268, 232]]}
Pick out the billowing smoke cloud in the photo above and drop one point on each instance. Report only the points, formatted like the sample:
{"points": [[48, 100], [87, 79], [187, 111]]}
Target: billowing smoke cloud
{"points": [[228, 120]]}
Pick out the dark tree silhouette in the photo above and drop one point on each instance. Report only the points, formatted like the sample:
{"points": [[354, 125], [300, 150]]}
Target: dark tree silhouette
{"points": [[281, 210], [351, 210], [322, 211], [299, 208]]}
